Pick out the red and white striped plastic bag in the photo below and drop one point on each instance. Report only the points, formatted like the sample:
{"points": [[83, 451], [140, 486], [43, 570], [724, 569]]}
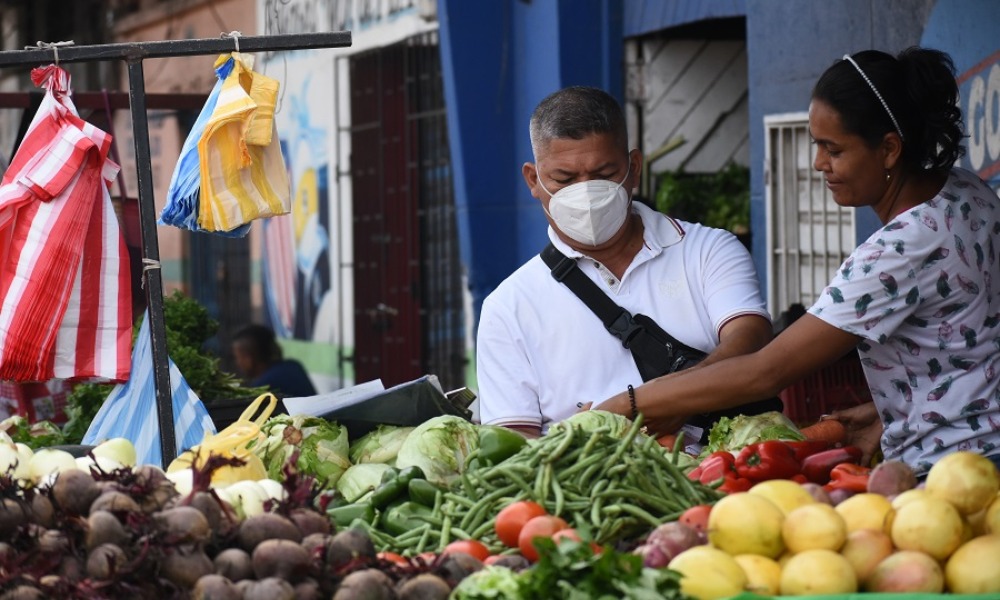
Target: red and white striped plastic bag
{"points": [[65, 303]]}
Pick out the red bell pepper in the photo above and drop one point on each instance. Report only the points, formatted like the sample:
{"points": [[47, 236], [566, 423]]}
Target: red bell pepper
{"points": [[734, 483], [817, 467], [807, 448], [714, 467], [767, 460], [850, 477]]}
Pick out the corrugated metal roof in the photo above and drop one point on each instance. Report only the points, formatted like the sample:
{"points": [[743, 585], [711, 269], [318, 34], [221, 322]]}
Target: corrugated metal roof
{"points": [[646, 16]]}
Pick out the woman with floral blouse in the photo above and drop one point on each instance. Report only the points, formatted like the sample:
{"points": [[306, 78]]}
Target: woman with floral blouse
{"points": [[918, 299]]}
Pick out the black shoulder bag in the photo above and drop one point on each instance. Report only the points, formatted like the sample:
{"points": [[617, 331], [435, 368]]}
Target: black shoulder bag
{"points": [[655, 351]]}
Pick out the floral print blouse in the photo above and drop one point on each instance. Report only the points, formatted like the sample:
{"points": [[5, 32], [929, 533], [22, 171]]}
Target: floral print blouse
{"points": [[920, 292]]}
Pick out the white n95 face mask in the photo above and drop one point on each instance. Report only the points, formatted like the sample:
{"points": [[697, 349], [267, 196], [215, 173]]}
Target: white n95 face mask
{"points": [[590, 212]]}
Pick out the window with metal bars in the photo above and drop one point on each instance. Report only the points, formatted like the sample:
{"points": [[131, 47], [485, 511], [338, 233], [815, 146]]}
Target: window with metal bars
{"points": [[808, 235]]}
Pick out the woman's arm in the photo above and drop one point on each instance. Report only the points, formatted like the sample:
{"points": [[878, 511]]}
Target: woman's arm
{"points": [[806, 346]]}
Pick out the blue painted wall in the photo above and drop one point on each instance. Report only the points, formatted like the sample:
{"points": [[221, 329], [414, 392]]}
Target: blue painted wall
{"points": [[649, 16], [500, 58]]}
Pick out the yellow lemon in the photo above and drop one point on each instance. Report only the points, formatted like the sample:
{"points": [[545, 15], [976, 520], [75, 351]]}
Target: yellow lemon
{"points": [[784, 493], [745, 523], [864, 511], [763, 573], [812, 527]]}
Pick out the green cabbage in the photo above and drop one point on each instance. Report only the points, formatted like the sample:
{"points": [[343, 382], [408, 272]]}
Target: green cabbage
{"points": [[323, 447], [589, 420], [439, 446], [381, 445], [734, 434], [360, 480]]}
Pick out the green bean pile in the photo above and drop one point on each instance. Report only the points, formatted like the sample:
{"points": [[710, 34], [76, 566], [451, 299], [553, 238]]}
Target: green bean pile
{"points": [[613, 487]]}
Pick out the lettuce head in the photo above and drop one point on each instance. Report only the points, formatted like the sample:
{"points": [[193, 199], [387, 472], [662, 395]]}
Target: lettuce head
{"points": [[439, 446], [322, 445], [380, 445], [734, 434]]}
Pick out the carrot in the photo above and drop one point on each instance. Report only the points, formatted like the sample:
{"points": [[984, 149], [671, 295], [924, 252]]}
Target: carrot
{"points": [[827, 430]]}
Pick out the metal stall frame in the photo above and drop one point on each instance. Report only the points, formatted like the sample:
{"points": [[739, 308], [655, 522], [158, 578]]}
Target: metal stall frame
{"points": [[134, 53]]}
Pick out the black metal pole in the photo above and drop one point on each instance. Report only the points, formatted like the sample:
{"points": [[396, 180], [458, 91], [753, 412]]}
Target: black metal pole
{"points": [[152, 281], [163, 49]]}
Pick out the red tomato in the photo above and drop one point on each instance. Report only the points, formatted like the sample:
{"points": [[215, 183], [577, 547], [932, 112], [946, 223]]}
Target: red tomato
{"points": [[512, 518], [571, 534], [394, 558], [470, 547], [492, 558], [565, 534], [696, 517], [543, 526]]}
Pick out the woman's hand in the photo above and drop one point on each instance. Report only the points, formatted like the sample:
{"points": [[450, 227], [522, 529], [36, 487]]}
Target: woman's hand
{"points": [[864, 428]]}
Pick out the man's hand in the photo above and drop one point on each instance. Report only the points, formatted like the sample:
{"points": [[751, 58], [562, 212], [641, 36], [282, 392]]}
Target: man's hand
{"points": [[864, 428]]}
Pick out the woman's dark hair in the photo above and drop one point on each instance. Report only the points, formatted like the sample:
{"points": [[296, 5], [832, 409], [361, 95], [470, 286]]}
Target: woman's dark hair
{"points": [[260, 343], [920, 90]]}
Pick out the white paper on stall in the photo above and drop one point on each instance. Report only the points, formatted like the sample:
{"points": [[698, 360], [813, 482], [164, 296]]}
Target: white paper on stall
{"points": [[321, 404]]}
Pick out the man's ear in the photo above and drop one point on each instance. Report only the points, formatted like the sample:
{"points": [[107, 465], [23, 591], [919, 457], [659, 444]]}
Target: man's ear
{"points": [[635, 171], [530, 174]]}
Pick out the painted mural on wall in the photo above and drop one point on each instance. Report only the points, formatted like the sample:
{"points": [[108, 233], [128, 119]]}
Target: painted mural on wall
{"points": [[296, 250], [969, 36]]}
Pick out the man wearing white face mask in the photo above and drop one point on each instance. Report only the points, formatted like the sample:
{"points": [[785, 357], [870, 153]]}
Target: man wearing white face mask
{"points": [[540, 349]]}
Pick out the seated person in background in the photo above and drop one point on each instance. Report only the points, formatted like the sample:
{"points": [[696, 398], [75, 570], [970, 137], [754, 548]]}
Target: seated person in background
{"points": [[259, 360], [540, 349]]}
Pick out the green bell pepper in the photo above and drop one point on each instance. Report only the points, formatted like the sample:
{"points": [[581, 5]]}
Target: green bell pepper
{"points": [[343, 516], [401, 517], [395, 486], [423, 492], [497, 444]]}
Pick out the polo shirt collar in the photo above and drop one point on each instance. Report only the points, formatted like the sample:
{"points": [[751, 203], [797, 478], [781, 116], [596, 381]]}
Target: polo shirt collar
{"points": [[658, 233]]}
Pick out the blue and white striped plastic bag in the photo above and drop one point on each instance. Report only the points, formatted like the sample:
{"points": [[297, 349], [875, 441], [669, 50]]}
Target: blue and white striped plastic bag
{"points": [[184, 192], [130, 410]]}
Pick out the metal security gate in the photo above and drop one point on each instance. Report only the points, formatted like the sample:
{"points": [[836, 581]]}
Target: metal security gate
{"points": [[808, 234], [408, 303]]}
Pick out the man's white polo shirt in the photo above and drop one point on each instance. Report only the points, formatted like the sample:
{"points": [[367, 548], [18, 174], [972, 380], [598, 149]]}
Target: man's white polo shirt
{"points": [[540, 349]]}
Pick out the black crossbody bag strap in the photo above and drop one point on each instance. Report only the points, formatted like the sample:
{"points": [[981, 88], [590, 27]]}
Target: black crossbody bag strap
{"points": [[654, 351]]}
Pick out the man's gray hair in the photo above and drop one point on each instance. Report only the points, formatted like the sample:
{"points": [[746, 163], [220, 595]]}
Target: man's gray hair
{"points": [[575, 113]]}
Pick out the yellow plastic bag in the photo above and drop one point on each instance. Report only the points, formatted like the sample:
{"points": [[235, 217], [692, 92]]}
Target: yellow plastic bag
{"points": [[233, 441]]}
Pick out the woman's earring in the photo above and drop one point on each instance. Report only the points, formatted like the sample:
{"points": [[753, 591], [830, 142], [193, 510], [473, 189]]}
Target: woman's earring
{"points": [[888, 176]]}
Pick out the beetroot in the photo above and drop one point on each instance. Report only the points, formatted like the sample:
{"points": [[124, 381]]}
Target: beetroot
{"points": [[267, 526], [234, 564], [42, 511], [104, 528], [309, 521], [114, 501], [308, 590], [183, 525], [891, 478], [12, 515], [370, 584], [280, 558], [74, 491], [424, 587], [104, 561], [271, 588], [185, 565], [349, 545], [215, 587]]}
